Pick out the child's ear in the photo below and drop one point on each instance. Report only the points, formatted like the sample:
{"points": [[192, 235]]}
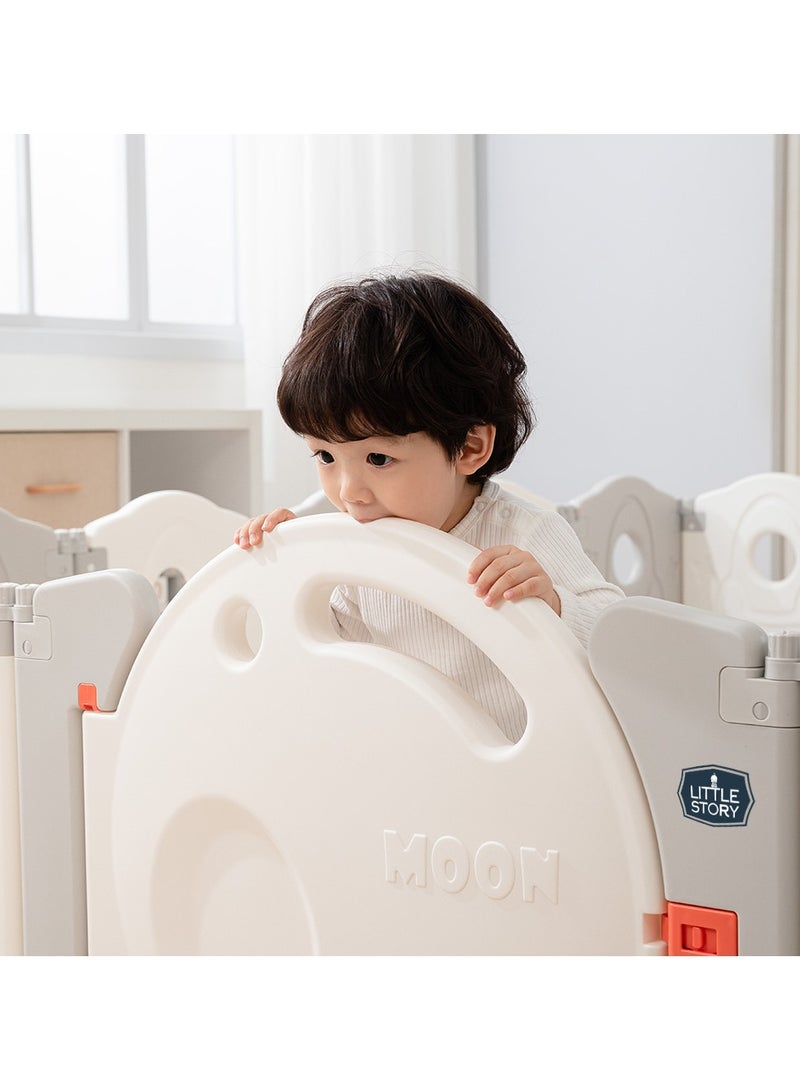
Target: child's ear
{"points": [[477, 449]]}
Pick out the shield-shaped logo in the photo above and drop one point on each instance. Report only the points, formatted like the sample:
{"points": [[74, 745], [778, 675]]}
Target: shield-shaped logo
{"points": [[716, 796]]}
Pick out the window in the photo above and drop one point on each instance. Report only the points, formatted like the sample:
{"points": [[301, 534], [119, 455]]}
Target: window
{"points": [[118, 245]]}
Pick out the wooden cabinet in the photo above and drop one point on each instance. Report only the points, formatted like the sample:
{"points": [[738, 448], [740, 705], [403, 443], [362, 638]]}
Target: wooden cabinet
{"points": [[65, 468], [61, 479]]}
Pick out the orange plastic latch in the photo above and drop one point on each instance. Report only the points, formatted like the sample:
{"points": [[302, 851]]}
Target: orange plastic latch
{"points": [[87, 697], [697, 930]]}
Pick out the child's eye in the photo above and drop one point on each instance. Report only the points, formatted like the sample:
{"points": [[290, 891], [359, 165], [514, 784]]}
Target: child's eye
{"points": [[325, 457], [376, 459]]}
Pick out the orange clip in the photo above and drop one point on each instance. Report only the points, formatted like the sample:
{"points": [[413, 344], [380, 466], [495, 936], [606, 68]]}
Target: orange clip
{"points": [[87, 697], [698, 930]]}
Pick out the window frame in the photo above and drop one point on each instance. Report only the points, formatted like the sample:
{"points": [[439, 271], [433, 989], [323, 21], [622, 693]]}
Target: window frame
{"points": [[136, 336]]}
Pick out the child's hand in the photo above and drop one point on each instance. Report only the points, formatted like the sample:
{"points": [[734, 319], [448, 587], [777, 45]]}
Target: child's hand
{"points": [[253, 531], [505, 572]]}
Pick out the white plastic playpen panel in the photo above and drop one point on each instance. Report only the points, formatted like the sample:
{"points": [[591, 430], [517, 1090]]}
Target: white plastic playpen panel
{"points": [[10, 891], [711, 552], [720, 562], [264, 786], [165, 537], [316, 795]]}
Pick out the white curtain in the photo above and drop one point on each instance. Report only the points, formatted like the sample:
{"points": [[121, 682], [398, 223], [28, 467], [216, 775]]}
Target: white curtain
{"points": [[317, 209]]}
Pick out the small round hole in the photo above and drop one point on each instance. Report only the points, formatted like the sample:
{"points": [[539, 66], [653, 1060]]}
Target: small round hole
{"points": [[772, 556], [626, 561], [238, 631]]}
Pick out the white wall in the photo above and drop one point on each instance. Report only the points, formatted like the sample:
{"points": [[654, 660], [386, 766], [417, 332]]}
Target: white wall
{"points": [[636, 274]]}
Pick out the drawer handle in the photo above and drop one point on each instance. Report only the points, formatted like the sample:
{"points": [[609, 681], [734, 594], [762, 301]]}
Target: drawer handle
{"points": [[67, 486]]}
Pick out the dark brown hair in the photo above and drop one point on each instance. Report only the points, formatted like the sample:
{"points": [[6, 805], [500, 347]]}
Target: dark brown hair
{"points": [[399, 354]]}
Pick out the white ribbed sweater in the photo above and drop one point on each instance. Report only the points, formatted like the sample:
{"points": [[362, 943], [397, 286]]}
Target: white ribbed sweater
{"points": [[496, 518]]}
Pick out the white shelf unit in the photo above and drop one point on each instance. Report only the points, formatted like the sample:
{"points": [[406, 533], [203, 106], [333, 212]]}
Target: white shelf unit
{"points": [[216, 454]]}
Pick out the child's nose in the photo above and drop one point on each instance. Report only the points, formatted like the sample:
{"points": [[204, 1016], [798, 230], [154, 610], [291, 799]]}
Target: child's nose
{"points": [[352, 488]]}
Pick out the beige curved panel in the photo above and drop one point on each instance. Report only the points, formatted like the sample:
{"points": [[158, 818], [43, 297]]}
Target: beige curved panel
{"points": [[720, 562], [167, 536], [631, 531], [265, 786], [10, 873]]}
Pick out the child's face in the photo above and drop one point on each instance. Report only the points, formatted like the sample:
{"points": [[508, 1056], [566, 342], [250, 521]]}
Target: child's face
{"points": [[408, 477]]}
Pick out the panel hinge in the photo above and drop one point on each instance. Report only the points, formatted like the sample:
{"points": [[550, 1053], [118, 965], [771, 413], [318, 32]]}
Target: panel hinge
{"points": [[689, 518]]}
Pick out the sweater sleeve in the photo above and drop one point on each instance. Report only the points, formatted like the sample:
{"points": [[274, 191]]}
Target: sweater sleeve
{"points": [[583, 590], [346, 615]]}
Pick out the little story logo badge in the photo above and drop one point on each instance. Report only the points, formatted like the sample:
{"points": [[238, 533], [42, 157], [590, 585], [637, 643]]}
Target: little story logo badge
{"points": [[716, 796]]}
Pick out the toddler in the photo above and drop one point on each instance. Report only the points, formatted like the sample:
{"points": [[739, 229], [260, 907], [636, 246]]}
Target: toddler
{"points": [[410, 394]]}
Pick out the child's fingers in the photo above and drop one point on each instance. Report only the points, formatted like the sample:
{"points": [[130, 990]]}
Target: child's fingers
{"points": [[486, 558], [499, 573], [535, 587], [506, 572], [245, 535], [252, 533], [280, 515], [516, 576], [516, 585]]}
